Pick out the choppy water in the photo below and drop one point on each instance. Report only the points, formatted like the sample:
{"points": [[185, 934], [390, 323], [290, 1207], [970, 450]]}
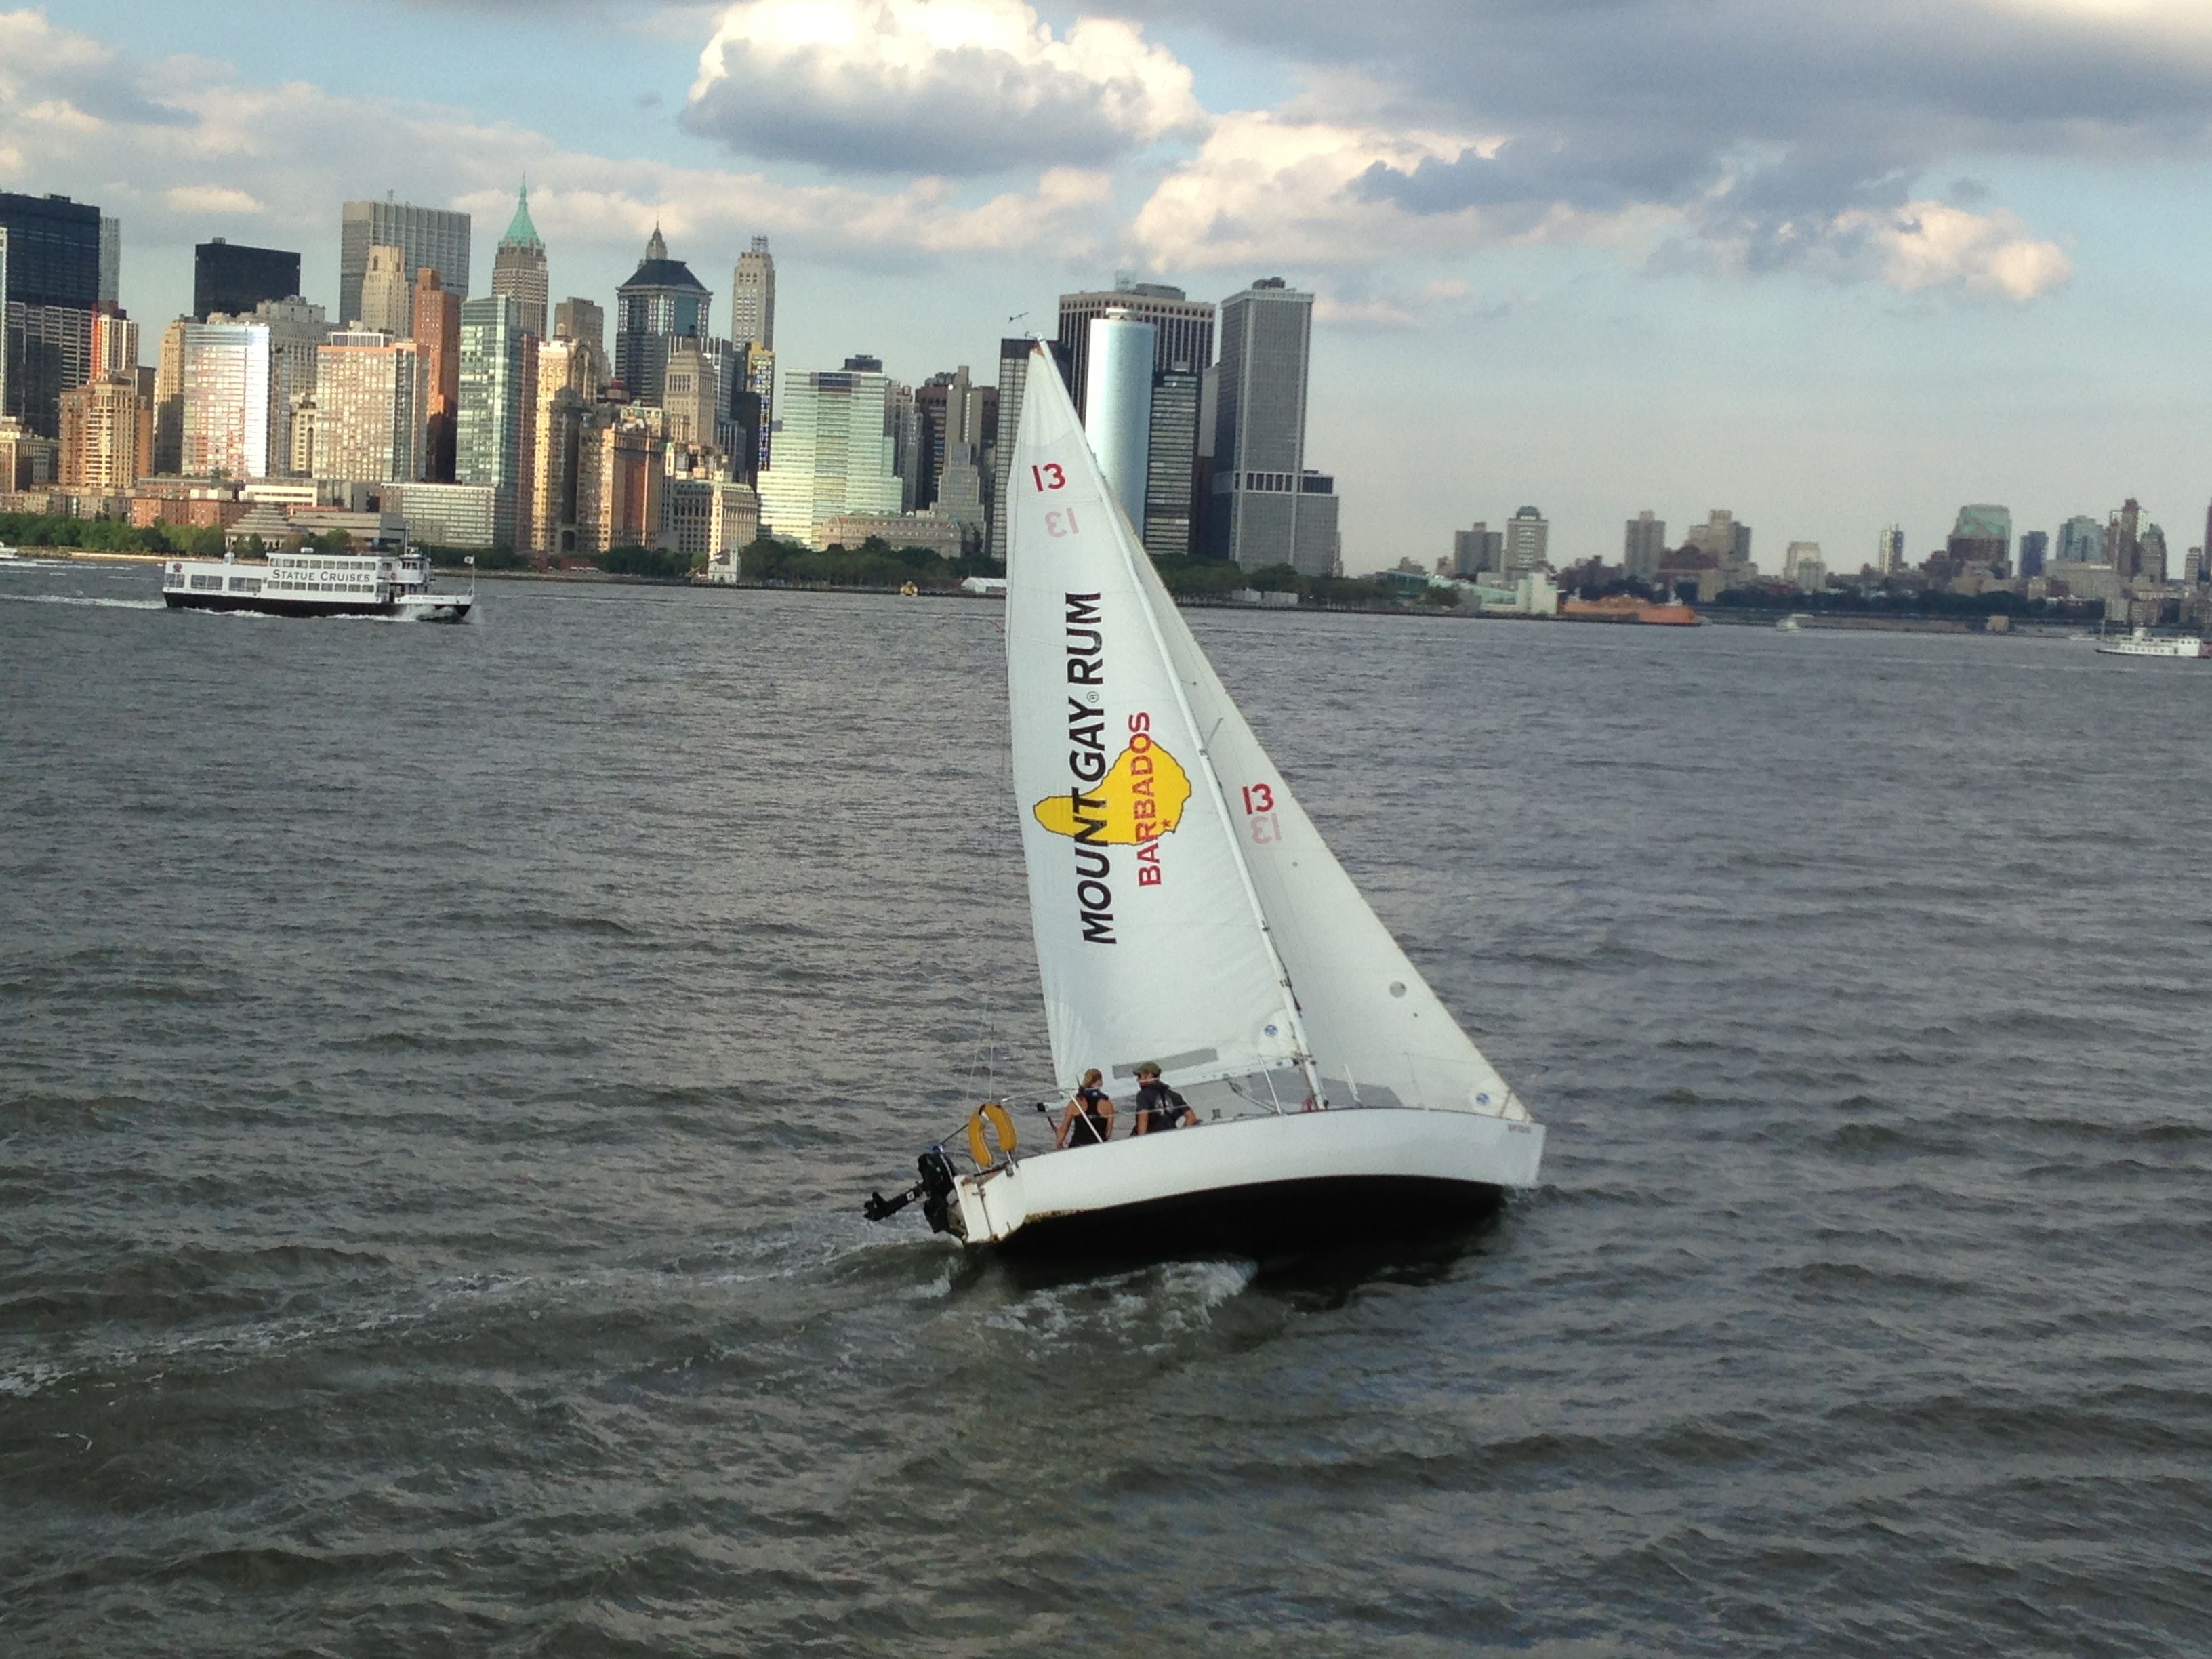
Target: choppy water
{"points": [[441, 1068]]}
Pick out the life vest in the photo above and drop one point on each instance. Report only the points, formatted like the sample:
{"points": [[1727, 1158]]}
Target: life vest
{"points": [[1088, 1126], [1159, 1107]]}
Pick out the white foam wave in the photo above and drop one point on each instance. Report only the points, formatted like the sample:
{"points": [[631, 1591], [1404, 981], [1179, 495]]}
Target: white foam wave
{"points": [[86, 601], [1151, 1307]]}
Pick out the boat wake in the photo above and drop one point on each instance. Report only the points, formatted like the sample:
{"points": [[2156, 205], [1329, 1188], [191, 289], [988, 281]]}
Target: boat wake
{"points": [[85, 601], [1156, 1305]]}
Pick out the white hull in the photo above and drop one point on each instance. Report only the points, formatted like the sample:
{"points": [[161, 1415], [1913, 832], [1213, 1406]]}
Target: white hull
{"points": [[1307, 1178]]}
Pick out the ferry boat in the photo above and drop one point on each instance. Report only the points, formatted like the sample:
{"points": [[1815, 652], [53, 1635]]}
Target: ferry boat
{"points": [[2144, 643], [1627, 608], [310, 584]]}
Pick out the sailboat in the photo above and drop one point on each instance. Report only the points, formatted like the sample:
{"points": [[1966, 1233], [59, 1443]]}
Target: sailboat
{"points": [[1188, 917]]}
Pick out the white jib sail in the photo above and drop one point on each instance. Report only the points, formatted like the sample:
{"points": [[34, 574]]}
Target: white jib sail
{"points": [[1149, 938], [1380, 1036]]}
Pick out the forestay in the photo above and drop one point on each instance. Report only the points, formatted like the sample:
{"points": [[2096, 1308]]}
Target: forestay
{"points": [[1149, 937]]}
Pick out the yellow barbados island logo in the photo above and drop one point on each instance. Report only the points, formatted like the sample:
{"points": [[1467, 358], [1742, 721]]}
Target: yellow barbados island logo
{"points": [[1135, 801]]}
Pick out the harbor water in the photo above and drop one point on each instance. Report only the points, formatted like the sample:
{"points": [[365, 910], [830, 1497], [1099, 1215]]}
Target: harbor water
{"points": [[440, 1069]]}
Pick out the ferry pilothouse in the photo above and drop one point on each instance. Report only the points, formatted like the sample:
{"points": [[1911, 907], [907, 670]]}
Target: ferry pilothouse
{"points": [[312, 584]]}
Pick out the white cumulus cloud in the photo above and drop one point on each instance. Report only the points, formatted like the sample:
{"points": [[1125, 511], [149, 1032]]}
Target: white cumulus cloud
{"points": [[955, 87], [210, 198], [1267, 188]]}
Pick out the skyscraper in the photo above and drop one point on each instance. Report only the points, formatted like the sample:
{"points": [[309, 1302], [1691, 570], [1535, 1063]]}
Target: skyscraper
{"points": [[2034, 544], [2081, 541], [1644, 545], [619, 478], [1119, 348], [1477, 549], [1720, 537], [103, 426], [1267, 509], [581, 319], [233, 278], [834, 456], [518, 269], [691, 392], [958, 487], [752, 296], [438, 332], [1889, 551], [760, 393], [169, 400], [1527, 542], [498, 378], [387, 294], [662, 304], [111, 260], [49, 285], [114, 342], [1982, 535], [296, 332], [228, 403], [1169, 495], [1183, 329], [424, 236], [571, 374], [371, 392], [2150, 562], [2123, 543]]}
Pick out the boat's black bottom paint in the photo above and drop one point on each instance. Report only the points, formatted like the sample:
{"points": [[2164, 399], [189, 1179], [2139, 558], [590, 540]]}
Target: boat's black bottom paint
{"points": [[1281, 1218], [292, 607]]}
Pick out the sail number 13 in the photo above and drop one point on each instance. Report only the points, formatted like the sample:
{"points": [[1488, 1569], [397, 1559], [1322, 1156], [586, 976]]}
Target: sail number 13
{"points": [[1260, 809]]}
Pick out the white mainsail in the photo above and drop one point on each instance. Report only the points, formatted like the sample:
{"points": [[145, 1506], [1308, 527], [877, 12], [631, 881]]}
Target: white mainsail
{"points": [[1150, 942]]}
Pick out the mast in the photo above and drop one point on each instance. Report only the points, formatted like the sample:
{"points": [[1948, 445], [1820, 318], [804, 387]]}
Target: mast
{"points": [[1221, 801]]}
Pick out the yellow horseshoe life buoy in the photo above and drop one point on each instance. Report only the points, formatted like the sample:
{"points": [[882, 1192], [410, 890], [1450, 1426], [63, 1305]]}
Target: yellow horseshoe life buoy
{"points": [[1001, 1120]]}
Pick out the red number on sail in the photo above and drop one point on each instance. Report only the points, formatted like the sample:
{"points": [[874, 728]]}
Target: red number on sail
{"points": [[1050, 469], [1062, 523], [1258, 798]]}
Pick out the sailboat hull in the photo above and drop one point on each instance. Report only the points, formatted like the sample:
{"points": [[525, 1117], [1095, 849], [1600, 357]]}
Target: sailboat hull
{"points": [[1253, 1186]]}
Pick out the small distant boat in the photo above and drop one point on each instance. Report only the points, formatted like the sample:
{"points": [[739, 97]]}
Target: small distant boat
{"points": [[2144, 643], [309, 584], [8, 552], [908, 591], [1790, 625]]}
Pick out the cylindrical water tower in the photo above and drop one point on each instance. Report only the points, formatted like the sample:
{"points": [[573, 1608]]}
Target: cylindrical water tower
{"points": [[1118, 414]]}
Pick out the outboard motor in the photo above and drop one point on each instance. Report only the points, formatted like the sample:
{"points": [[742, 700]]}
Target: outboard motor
{"points": [[934, 1189]]}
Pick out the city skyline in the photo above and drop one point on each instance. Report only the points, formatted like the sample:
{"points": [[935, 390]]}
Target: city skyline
{"points": [[2026, 343]]}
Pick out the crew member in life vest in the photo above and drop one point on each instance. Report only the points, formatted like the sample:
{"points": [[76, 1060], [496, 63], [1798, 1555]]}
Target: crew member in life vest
{"points": [[1159, 1107], [1088, 1119]]}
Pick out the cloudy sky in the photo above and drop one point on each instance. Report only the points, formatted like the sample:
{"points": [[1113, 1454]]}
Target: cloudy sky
{"points": [[1831, 264]]}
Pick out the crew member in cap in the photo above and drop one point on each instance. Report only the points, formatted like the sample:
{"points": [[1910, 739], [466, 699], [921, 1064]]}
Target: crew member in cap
{"points": [[1159, 1107]]}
